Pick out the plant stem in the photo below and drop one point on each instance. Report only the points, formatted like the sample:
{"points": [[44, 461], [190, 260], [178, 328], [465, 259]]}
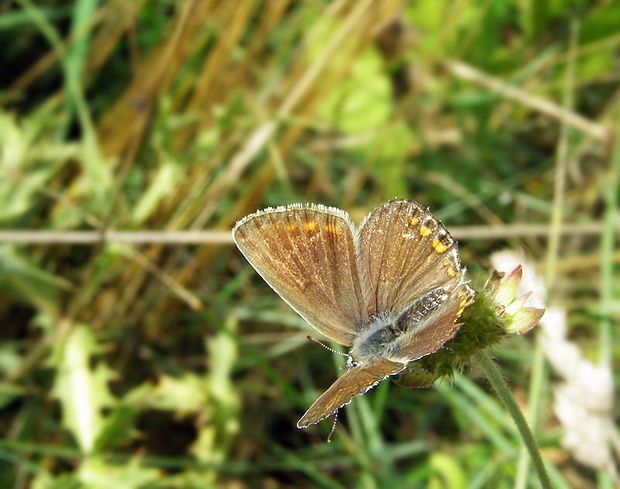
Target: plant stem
{"points": [[497, 381]]}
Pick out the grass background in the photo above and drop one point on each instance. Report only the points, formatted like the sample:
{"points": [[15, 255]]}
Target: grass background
{"points": [[162, 360]]}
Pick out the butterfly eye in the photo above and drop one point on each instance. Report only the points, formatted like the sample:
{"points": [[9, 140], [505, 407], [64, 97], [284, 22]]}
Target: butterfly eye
{"points": [[351, 362]]}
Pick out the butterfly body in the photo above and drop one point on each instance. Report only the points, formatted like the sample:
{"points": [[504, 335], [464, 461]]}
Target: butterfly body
{"points": [[391, 289]]}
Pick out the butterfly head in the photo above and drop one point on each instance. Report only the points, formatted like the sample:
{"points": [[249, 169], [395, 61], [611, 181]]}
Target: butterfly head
{"points": [[351, 362]]}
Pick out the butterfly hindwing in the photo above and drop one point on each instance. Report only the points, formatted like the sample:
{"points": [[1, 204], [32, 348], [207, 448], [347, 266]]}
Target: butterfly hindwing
{"points": [[439, 326]]}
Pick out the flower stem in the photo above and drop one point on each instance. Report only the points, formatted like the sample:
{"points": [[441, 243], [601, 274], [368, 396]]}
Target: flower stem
{"points": [[497, 381]]}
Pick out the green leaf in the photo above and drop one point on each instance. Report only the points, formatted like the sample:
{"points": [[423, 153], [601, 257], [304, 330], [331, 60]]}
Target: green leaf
{"points": [[362, 98], [23, 279], [26, 164], [387, 152], [82, 390], [45, 480], [95, 473], [183, 395], [166, 179], [449, 472]]}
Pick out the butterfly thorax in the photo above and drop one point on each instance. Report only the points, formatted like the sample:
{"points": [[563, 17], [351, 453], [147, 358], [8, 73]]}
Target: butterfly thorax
{"points": [[377, 340]]}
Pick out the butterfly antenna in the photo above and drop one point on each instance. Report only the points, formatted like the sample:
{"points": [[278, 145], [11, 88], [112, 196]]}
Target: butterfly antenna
{"points": [[308, 337], [331, 433]]}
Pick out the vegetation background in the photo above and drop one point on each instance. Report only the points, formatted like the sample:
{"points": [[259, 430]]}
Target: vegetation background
{"points": [[161, 360]]}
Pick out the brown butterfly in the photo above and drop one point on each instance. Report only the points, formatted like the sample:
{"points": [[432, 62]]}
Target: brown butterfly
{"points": [[391, 289]]}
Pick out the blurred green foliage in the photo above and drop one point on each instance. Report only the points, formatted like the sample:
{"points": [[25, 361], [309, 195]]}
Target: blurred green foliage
{"points": [[157, 365]]}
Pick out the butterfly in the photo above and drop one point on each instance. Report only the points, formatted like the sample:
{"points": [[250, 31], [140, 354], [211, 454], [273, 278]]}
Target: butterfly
{"points": [[391, 289]]}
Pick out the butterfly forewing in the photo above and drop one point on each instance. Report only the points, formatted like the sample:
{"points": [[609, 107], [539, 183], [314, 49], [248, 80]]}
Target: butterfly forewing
{"points": [[355, 381], [307, 255], [404, 252]]}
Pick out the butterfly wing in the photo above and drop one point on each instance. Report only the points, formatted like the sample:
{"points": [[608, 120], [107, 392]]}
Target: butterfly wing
{"points": [[357, 380], [404, 252], [436, 328], [307, 255]]}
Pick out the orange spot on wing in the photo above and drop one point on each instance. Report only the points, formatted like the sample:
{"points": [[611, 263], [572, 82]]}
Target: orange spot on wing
{"points": [[310, 226], [439, 246], [425, 231]]}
